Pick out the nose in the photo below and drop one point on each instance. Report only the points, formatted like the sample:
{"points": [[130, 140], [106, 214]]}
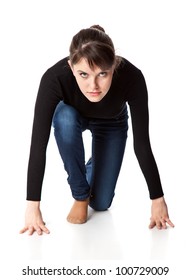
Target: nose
{"points": [[94, 84]]}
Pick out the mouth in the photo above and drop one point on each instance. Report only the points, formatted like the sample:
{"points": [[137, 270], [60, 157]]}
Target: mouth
{"points": [[94, 93]]}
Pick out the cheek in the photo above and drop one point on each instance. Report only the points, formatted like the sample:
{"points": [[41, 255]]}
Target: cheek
{"points": [[80, 83], [107, 84], [82, 86]]}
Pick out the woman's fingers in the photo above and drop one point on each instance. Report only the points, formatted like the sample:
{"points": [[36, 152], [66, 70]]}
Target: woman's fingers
{"points": [[39, 229]]}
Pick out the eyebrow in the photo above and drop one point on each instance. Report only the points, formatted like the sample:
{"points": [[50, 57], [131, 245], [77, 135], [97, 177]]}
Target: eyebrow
{"points": [[107, 70]]}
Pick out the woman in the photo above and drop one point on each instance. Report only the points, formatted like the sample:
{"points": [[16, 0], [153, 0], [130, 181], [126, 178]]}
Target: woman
{"points": [[90, 90]]}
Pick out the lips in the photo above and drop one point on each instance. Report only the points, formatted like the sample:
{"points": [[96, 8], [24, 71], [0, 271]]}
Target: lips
{"points": [[95, 93]]}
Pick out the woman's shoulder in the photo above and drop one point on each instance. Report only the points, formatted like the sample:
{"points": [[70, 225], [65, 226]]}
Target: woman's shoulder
{"points": [[59, 67], [59, 70], [127, 72], [126, 65]]}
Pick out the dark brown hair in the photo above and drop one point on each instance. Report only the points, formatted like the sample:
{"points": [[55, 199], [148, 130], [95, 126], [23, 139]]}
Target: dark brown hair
{"points": [[95, 46]]}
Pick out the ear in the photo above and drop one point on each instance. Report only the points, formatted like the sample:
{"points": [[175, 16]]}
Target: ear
{"points": [[70, 64]]}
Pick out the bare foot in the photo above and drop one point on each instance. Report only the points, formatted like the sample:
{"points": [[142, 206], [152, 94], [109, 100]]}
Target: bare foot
{"points": [[79, 211]]}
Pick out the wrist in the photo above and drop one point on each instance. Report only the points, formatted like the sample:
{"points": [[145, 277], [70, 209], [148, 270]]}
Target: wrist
{"points": [[158, 200], [33, 204]]}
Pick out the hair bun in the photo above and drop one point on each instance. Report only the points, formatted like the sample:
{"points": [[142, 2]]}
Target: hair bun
{"points": [[98, 27]]}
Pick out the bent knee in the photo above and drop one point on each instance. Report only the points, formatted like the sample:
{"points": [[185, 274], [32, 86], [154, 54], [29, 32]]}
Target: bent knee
{"points": [[100, 206], [64, 115]]}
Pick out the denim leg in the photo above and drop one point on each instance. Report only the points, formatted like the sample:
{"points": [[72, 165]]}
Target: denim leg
{"points": [[68, 126], [108, 146]]}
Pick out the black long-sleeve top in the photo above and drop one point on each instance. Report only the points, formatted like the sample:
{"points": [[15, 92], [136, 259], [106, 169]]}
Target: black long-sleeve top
{"points": [[128, 86]]}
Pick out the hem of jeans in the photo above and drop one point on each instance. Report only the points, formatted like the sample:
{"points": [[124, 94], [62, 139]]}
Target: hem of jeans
{"points": [[81, 198]]}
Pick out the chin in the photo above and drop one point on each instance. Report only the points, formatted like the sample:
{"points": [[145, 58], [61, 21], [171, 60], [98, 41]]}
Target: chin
{"points": [[95, 99]]}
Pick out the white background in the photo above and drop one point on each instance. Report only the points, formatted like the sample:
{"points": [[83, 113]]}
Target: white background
{"points": [[153, 35]]}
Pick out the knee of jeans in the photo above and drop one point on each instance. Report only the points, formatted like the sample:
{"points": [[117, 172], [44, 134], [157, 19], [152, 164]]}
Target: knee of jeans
{"points": [[99, 205], [64, 116]]}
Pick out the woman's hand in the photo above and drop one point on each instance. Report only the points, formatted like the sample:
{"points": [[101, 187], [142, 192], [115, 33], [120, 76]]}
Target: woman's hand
{"points": [[33, 219], [159, 214]]}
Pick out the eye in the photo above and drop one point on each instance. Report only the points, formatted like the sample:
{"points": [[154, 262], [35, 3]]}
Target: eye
{"points": [[83, 75], [103, 74]]}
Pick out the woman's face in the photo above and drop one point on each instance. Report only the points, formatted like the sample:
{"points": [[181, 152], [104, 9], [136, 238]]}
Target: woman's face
{"points": [[93, 83]]}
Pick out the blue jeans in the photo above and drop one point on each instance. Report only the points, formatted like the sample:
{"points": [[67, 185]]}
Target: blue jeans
{"points": [[98, 177]]}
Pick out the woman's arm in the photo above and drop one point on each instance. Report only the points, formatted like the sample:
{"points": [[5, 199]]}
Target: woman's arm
{"points": [[47, 99], [138, 103]]}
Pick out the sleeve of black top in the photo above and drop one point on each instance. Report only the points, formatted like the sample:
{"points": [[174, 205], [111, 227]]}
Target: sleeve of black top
{"points": [[138, 103], [47, 98]]}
